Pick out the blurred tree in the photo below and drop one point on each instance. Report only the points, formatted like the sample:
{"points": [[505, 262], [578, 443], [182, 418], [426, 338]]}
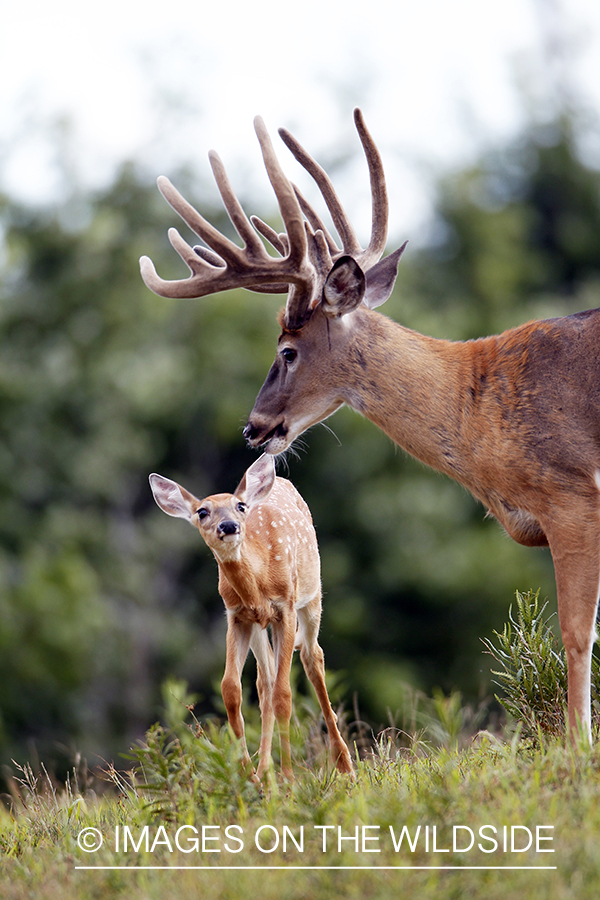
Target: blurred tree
{"points": [[101, 383]]}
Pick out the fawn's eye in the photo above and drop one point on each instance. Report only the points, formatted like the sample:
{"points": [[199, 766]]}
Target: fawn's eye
{"points": [[289, 354], [202, 513], [242, 507]]}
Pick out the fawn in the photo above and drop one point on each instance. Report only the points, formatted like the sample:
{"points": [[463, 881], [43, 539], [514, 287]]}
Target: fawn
{"points": [[264, 541]]}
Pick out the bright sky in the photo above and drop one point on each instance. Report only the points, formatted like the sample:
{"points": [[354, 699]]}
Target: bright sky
{"points": [[164, 82]]}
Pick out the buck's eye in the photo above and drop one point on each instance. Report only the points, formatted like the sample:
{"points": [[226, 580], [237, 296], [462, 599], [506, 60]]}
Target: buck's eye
{"points": [[202, 513], [242, 507], [289, 354]]}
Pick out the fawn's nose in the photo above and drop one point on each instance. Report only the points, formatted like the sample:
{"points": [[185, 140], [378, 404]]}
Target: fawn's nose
{"points": [[228, 527]]}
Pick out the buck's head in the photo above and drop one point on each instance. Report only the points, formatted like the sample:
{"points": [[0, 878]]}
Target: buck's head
{"points": [[309, 379], [328, 285], [221, 518]]}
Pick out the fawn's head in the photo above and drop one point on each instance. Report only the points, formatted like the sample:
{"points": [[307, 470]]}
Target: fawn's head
{"points": [[220, 518]]}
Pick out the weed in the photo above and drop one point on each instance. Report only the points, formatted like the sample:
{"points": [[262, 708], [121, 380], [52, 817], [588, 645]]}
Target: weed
{"points": [[533, 671]]}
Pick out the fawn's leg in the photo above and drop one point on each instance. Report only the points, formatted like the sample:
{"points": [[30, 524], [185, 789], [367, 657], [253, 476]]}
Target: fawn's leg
{"points": [[284, 635], [237, 644], [265, 683], [313, 660]]}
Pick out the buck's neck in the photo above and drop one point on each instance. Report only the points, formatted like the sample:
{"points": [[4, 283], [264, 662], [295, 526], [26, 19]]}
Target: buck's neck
{"points": [[412, 387]]}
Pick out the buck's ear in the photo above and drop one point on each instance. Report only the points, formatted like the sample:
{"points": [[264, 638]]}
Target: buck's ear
{"points": [[172, 498], [381, 278], [344, 287], [258, 481]]}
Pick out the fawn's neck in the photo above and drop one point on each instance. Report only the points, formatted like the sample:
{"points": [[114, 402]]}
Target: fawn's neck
{"points": [[242, 579]]}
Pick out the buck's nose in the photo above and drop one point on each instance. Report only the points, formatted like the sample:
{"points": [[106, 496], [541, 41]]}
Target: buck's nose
{"points": [[250, 432], [258, 433], [228, 527]]}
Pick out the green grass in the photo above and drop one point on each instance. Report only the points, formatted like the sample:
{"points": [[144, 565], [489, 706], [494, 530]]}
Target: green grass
{"points": [[484, 783], [186, 784]]}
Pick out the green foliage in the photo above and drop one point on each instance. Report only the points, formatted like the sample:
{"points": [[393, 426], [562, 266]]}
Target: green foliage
{"points": [[534, 669], [185, 769], [486, 783], [180, 778]]}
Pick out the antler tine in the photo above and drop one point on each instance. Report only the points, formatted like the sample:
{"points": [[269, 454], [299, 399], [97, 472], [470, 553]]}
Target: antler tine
{"points": [[225, 248], [208, 255], [288, 204], [201, 265], [317, 223], [209, 272], [278, 241], [303, 276], [238, 217], [379, 220], [340, 219]]}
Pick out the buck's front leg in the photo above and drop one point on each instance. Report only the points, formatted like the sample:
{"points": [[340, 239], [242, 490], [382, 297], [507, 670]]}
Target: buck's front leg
{"points": [[237, 643], [576, 558], [284, 636]]}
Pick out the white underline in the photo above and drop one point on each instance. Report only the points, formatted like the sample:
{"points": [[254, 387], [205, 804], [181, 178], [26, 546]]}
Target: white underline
{"points": [[316, 868]]}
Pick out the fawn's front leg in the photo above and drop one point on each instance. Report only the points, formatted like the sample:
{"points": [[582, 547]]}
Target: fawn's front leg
{"points": [[237, 644]]}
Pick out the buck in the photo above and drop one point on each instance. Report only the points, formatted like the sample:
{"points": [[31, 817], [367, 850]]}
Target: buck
{"points": [[515, 418], [264, 541]]}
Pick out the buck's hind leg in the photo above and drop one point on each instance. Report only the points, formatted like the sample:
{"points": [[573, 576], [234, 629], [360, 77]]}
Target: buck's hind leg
{"points": [[313, 660]]}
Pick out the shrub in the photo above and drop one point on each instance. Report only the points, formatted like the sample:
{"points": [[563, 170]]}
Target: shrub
{"points": [[533, 669]]}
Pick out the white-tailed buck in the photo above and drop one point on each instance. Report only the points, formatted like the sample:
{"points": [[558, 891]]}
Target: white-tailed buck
{"points": [[515, 417], [263, 539]]}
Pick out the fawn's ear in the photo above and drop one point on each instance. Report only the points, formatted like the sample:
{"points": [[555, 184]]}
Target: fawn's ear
{"points": [[172, 498], [258, 481]]}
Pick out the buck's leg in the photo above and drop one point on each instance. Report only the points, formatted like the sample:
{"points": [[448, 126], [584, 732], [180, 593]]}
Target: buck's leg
{"points": [[265, 681], [576, 555], [313, 660], [284, 635], [237, 643]]}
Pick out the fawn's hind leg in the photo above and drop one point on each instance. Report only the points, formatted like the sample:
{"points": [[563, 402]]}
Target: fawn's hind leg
{"points": [[284, 634], [313, 660], [265, 683]]}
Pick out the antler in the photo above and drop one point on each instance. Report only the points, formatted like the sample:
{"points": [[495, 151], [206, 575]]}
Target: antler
{"points": [[306, 250], [350, 245]]}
